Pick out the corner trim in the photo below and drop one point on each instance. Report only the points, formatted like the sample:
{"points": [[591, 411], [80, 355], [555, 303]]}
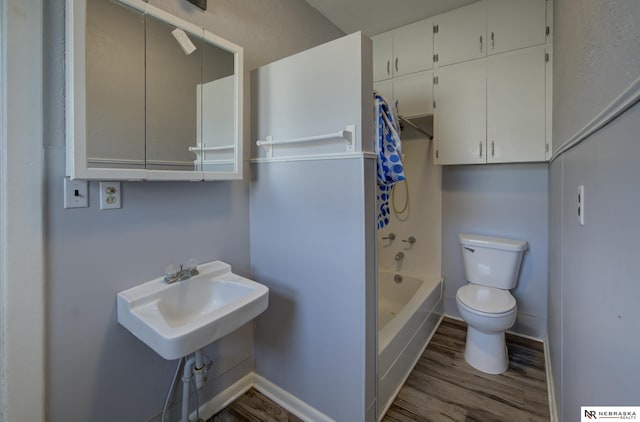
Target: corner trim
{"points": [[22, 179], [629, 97], [553, 405]]}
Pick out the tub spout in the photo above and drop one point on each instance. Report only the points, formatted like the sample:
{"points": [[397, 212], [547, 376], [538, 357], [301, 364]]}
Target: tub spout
{"points": [[399, 256]]}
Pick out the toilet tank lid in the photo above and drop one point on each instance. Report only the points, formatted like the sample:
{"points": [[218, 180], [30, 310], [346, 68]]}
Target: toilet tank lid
{"points": [[492, 242]]}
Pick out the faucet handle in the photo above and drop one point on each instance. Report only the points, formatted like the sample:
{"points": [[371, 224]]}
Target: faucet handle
{"points": [[192, 266], [171, 269], [171, 273], [391, 236], [411, 240]]}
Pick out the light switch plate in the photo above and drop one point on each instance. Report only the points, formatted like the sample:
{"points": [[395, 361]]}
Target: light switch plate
{"points": [[110, 195], [76, 193]]}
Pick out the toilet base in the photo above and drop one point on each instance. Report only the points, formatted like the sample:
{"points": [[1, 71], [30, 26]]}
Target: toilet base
{"points": [[487, 352]]}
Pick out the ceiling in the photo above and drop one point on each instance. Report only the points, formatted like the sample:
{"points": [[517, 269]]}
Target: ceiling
{"points": [[375, 16]]}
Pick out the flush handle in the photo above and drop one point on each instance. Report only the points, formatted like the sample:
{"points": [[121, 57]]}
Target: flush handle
{"points": [[469, 249]]}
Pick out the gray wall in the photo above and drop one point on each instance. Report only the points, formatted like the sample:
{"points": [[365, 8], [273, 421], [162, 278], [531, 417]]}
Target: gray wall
{"points": [[596, 56], [505, 200], [593, 277], [312, 231], [96, 369]]}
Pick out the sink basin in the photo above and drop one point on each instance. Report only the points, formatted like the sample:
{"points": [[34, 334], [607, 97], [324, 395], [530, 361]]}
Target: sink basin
{"points": [[179, 318]]}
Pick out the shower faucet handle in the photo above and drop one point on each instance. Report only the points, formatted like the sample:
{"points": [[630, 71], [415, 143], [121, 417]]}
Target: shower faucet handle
{"points": [[391, 236], [411, 240]]}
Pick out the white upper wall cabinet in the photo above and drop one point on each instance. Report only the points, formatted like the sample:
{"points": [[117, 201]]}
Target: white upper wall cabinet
{"points": [[414, 94], [488, 27], [382, 56], [402, 63], [413, 47], [404, 50], [460, 119], [460, 34], [492, 92], [516, 106], [514, 24], [490, 87]]}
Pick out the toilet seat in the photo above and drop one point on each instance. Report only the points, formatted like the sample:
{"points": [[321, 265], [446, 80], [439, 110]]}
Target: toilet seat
{"points": [[487, 301]]}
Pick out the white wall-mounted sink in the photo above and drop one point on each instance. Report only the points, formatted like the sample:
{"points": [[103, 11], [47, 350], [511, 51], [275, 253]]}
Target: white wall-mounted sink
{"points": [[179, 318]]}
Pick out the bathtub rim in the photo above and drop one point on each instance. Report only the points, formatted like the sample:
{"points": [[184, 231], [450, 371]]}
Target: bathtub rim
{"points": [[391, 329]]}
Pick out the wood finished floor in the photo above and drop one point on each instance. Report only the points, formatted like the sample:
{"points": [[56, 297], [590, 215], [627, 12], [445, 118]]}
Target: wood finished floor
{"points": [[253, 406], [443, 387]]}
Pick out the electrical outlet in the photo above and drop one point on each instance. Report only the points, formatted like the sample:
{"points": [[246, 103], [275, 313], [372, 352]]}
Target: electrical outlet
{"points": [[76, 193], [110, 195], [581, 205]]}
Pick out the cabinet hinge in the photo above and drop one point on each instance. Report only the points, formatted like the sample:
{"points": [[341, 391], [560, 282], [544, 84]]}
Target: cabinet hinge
{"points": [[546, 57], [435, 29], [435, 80], [435, 58], [547, 31]]}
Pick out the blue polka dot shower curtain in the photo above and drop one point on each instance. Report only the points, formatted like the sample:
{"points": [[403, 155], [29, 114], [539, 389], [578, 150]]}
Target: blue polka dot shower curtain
{"points": [[389, 150]]}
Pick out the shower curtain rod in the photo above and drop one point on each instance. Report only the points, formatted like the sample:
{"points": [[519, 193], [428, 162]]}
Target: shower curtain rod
{"points": [[413, 125]]}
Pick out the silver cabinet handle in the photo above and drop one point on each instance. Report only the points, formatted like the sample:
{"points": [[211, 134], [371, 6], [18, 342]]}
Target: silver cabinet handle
{"points": [[493, 149], [388, 67], [481, 43], [480, 149], [396, 64], [493, 41]]}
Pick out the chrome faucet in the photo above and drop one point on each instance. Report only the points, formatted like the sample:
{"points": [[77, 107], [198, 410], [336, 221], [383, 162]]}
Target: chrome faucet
{"points": [[172, 274]]}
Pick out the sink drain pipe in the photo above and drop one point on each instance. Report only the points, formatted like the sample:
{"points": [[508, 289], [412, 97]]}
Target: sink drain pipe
{"points": [[194, 366], [199, 369]]}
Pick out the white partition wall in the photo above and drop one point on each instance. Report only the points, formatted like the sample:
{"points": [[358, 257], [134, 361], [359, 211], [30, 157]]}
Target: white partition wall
{"points": [[313, 230]]}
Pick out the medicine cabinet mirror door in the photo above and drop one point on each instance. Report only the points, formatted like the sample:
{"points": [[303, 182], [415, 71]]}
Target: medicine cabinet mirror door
{"points": [[151, 97]]}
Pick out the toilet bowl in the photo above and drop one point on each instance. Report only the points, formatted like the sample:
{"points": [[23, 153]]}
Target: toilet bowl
{"points": [[491, 266]]}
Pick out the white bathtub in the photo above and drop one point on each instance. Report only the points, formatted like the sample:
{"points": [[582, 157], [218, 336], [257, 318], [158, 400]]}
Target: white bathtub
{"points": [[408, 315]]}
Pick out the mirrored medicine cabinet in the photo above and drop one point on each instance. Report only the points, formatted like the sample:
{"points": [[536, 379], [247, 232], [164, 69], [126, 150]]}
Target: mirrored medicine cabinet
{"points": [[149, 96]]}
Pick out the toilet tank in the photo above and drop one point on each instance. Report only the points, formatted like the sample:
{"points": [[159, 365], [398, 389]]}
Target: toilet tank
{"points": [[492, 261]]}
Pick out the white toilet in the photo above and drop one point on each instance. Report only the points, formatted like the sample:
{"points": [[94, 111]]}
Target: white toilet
{"points": [[491, 266]]}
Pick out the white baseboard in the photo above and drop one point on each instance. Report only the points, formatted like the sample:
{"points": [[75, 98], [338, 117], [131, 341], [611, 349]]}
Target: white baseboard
{"points": [[288, 401], [273, 392], [551, 391], [224, 399]]}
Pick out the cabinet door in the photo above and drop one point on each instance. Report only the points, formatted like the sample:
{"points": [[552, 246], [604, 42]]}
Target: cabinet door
{"points": [[514, 24], [460, 116], [461, 34], [413, 47], [414, 94], [516, 106], [382, 56]]}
